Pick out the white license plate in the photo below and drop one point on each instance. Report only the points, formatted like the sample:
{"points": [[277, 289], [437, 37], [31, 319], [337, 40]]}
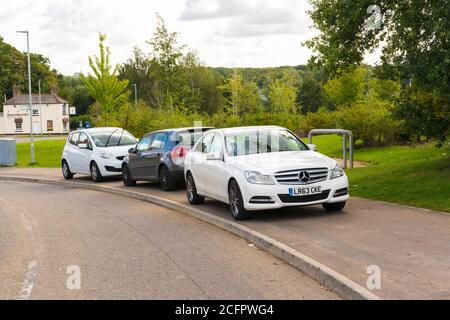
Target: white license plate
{"points": [[304, 191]]}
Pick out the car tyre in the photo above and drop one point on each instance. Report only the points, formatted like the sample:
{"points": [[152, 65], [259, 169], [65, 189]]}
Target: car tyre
{"points": [[95, 173], [166, 179], [67, 174], [334, 207], [191, 191], [126, 177], [236, 202]]}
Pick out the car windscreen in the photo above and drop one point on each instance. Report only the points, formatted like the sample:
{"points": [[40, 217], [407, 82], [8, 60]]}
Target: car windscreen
{"points": [[112, 138], [190, 137], [262, 141]]}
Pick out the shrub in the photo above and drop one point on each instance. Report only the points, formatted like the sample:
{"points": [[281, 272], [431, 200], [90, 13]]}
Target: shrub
{"points": [[371, 122], [322, 119]]}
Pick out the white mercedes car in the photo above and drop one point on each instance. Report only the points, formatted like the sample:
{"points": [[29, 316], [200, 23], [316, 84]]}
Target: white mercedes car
{"points": [[260, 168], [98, 152]]}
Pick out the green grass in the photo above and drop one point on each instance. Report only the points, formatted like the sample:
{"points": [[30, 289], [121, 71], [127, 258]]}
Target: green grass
{"points": [[47, 154], [417, 176]]}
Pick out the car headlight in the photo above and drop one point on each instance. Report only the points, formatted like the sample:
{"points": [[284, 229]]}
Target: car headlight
{"points": [[258, 178], [105, 155], [337, 172]]}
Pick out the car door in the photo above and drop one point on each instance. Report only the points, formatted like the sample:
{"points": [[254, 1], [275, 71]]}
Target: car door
{"points": [[71, 150], [155, 153], [137, 164], [215, 171], [198, 159], [84, 155]]}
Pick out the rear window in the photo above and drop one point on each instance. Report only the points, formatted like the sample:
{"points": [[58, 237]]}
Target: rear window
{"points": [[190, 137]]}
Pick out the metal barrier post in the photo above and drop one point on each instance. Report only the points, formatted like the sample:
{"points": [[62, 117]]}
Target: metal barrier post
{"points": [[344, 134], [344, 148]]}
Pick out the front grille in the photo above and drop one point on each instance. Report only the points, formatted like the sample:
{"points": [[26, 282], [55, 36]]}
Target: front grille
{"points": [[120, 158], [292, 176], [285, 198]]}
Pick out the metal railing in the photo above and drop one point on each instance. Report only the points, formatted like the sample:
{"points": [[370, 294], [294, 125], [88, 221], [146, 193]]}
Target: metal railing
{"points": [[344, 134]]}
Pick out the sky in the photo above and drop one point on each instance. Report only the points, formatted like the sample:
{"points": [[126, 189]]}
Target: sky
{"points": [[228, 33]]}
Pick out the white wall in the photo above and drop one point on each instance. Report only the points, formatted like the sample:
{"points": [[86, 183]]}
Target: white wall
{"points": [[52, 112]]}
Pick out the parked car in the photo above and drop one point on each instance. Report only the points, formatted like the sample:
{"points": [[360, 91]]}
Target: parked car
{"points": [[259, 168], [159, 156], [98, 152]]}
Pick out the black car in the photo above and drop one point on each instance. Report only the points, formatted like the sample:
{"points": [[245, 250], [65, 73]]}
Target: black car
{"points": [[159, 156]]}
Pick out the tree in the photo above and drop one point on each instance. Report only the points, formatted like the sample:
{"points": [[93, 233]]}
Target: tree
{"points": [[282, 94], [166, 55], [241, 96], [310, 94], [13, 70], [415, 40], [108, 91]]}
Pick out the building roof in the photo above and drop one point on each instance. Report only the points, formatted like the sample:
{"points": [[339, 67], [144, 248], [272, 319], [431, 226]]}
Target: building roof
{"points": [[46, 98]]}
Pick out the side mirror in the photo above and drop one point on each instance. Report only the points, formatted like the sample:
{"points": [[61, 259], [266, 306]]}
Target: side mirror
{"points": [[132, 150], [312, 147], [214, 156], [83, 146]]}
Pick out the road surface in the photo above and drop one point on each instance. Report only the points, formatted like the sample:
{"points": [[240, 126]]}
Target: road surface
{"points": [[410, 246], [128, 249]]}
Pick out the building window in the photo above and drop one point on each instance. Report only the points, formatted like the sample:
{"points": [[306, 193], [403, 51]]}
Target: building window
{"points": [[49, 125], [64, 109], [18, 122]]}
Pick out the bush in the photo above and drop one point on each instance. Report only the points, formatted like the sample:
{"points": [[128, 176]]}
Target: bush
{"points": [[371, 122], [322, 119]]}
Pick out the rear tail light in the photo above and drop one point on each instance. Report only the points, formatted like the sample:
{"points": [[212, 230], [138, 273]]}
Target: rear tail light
{"points": [[179, 152]]}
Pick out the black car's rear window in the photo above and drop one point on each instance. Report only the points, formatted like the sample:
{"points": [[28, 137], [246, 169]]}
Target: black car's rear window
{"points": [[190, 137]]}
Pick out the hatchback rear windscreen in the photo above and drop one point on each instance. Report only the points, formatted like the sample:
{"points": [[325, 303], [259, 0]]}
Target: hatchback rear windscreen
{"points": [[189, 138]]}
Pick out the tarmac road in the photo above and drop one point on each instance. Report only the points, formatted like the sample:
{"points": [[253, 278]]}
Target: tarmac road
{"points": [[128, 249], [411, 246]]}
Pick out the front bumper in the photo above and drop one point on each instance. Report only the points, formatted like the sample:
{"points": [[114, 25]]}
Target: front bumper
{"points": [[110, 167], [265, 197]]}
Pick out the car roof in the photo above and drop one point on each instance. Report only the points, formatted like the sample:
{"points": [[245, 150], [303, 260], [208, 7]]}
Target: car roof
{"points": [[248, 128], [181, 129], [99, 129]]}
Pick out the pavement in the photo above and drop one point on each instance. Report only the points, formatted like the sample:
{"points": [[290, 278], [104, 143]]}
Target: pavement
{"points": [[410, 246], [128, 249]]}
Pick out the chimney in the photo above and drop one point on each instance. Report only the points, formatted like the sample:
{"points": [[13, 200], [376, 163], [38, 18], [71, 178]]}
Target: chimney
{"points": [[53, 89], [16, 90]]}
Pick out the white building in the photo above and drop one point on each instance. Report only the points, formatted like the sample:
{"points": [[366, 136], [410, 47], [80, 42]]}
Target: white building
{"points": [[50, 115]]}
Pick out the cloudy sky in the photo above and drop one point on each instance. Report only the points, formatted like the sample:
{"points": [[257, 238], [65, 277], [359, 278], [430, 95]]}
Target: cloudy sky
{"points": [[231, 33]]}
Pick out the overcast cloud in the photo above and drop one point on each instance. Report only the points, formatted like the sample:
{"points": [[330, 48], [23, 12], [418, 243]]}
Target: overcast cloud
{"points": [[231, 33]]}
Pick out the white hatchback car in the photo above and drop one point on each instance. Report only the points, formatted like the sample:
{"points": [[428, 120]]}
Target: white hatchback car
{"points": [[259, 168], [98, 152]]}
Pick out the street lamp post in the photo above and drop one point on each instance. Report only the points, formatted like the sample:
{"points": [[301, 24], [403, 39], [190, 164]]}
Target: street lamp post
{"points": [[29, 97], [135, 93]]}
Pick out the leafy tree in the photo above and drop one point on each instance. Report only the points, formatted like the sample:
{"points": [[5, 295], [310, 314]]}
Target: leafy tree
{"points": [[310, 94], [241, 96], [73, 90], [282, 94], [347, 88], [108, 91], [14, 70], [415, 40]]}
